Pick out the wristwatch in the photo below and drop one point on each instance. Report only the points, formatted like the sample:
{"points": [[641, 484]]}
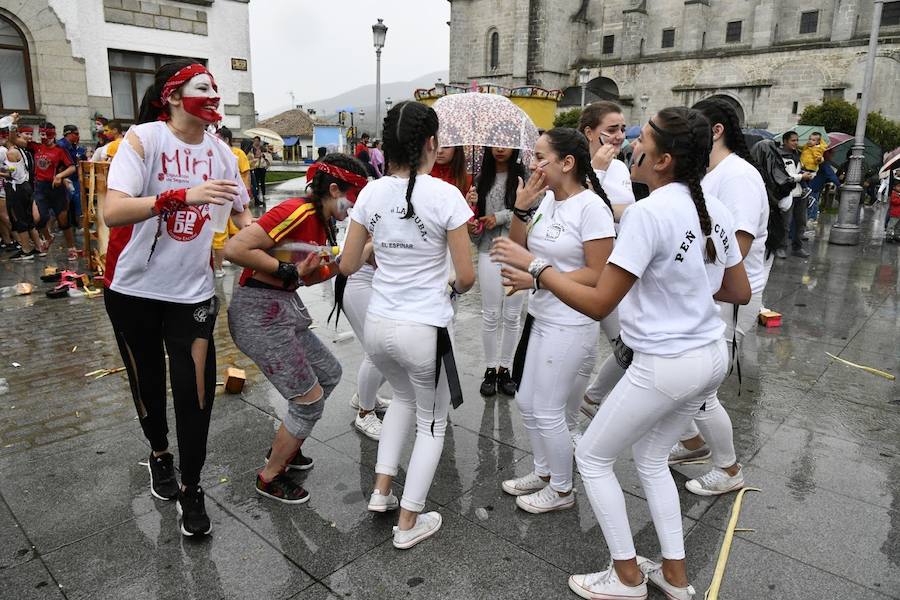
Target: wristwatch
{"points": [[288, 274]]}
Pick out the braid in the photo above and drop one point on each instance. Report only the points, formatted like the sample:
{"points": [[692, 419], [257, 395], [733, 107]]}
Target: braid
{"points": [[694, 171], [407, 127], [591, 177], [414, 153], [687, 136]]}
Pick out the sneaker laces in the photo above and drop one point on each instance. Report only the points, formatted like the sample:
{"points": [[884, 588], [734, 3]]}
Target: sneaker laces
{"points": [[712, 477]]}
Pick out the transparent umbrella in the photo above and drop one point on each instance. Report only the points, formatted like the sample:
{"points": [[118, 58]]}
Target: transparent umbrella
{"points": [[476, 119]]}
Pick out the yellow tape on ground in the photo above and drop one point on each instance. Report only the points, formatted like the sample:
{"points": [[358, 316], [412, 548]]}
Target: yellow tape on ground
{"points": [[887, 376], [713, 592]]}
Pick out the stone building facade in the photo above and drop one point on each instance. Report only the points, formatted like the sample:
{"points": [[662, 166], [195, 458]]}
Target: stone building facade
{"points": [[66, 61], [770, 58]]}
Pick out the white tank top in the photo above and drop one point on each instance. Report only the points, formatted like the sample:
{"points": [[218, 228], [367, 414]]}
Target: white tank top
{"points": [[20, 173]]}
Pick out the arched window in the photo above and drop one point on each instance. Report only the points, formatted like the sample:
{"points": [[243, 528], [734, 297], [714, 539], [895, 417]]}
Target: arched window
{"points": [[495, 51], [15, 70]]}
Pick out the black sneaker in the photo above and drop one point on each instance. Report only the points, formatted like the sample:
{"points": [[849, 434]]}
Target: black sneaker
{"points": [[489, 385], [162, 476], [192, 510], [299, 463], [283, 489], [22, 255], [505, 383]]}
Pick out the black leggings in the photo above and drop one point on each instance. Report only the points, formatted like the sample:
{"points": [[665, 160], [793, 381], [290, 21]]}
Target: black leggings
{"points": [[142, 327], [18, 205], [260, 175]]}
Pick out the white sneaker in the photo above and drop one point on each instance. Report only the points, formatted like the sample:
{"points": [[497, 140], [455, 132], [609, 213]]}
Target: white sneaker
{"points": [[381, 402], [381, 503], [369, 425], [523, 485], [219, 273], [546, 500], [426, 526], [679, 454], [716, 482], [588, 408], [605, 585], [576, 437], [653, 572]]}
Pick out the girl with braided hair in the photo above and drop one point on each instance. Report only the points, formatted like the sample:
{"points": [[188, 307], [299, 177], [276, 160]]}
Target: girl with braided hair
{"points": [[733, 178], [413, 219], [571, 228], [269, 322], [674, 250]]}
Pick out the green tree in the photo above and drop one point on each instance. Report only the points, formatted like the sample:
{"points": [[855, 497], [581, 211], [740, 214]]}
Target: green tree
{"points": [[568, 118], [840, 115]]}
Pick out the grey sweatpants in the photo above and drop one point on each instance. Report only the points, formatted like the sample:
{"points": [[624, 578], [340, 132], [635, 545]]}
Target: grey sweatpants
{"points": [[272, 328]]}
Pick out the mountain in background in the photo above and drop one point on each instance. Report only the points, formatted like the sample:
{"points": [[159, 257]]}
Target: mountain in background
{"points": [[364, 98]]}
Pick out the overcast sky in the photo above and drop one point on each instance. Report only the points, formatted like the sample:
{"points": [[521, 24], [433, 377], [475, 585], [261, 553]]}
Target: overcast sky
{"points": [[320, 48]]}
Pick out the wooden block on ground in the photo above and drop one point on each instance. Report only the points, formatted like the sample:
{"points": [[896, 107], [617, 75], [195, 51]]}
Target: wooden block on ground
{"points": [[770, 318], [234, 380]]}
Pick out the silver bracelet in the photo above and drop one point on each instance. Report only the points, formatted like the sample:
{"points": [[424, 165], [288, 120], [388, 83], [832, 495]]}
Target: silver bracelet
{"points": [[535, 268]]}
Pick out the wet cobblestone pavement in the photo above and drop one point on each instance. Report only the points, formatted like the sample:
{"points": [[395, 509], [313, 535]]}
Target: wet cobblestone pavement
{"points": [[821, 439]]}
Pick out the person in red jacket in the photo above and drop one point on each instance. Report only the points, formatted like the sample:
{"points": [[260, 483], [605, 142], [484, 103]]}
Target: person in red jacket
{"points": [[52, 165], [892, 230]]}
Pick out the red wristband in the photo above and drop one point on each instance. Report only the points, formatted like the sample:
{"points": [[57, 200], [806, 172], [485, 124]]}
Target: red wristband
{"points": [[170, 201]]}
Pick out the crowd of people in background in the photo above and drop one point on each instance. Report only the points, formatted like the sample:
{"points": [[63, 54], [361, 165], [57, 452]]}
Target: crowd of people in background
{"points": [[664, 256]]}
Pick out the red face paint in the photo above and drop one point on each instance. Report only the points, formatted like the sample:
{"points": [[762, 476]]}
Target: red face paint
{"points": [[202, 107]]}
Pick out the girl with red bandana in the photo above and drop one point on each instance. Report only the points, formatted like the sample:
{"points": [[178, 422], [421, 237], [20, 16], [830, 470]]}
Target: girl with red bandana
{"points": [[166, 182]]}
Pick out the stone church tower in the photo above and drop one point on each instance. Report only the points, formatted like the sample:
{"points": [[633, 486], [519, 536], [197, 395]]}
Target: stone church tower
{"points": [[770, 58]]}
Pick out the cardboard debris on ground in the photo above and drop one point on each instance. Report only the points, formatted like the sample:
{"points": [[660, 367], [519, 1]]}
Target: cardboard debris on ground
{"points": [[104, 372]]}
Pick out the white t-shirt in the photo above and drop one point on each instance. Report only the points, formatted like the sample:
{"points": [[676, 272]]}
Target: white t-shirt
{"points": [[741, 189], [410, 283], [100, 154], [616, 181], [558, 233], [670, 309], [180, 270]]}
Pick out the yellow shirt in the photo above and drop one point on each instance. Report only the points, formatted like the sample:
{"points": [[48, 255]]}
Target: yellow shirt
{"points": [[113, 148], [243, 165], [812, 156]]}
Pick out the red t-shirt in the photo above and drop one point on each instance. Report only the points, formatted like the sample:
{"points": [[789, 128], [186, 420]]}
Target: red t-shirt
{"points": [[47, 160], [360, 146], [294, 220]]}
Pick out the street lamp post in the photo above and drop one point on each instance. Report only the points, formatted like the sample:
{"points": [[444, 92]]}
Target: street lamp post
{"points": [[362, 117], [583, 76], [845, 231], [379, 32], [645, 99]]}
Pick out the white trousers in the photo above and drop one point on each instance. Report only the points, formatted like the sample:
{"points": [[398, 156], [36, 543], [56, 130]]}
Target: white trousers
{"points": [[648, 410], [559, 360], [356, 304], [405, 353], [498, 311], [607, 377], [713, 421]]}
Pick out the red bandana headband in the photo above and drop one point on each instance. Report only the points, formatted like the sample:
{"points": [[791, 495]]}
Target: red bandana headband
{"points": [[48, 132], [181, 77], [357, 182]]}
